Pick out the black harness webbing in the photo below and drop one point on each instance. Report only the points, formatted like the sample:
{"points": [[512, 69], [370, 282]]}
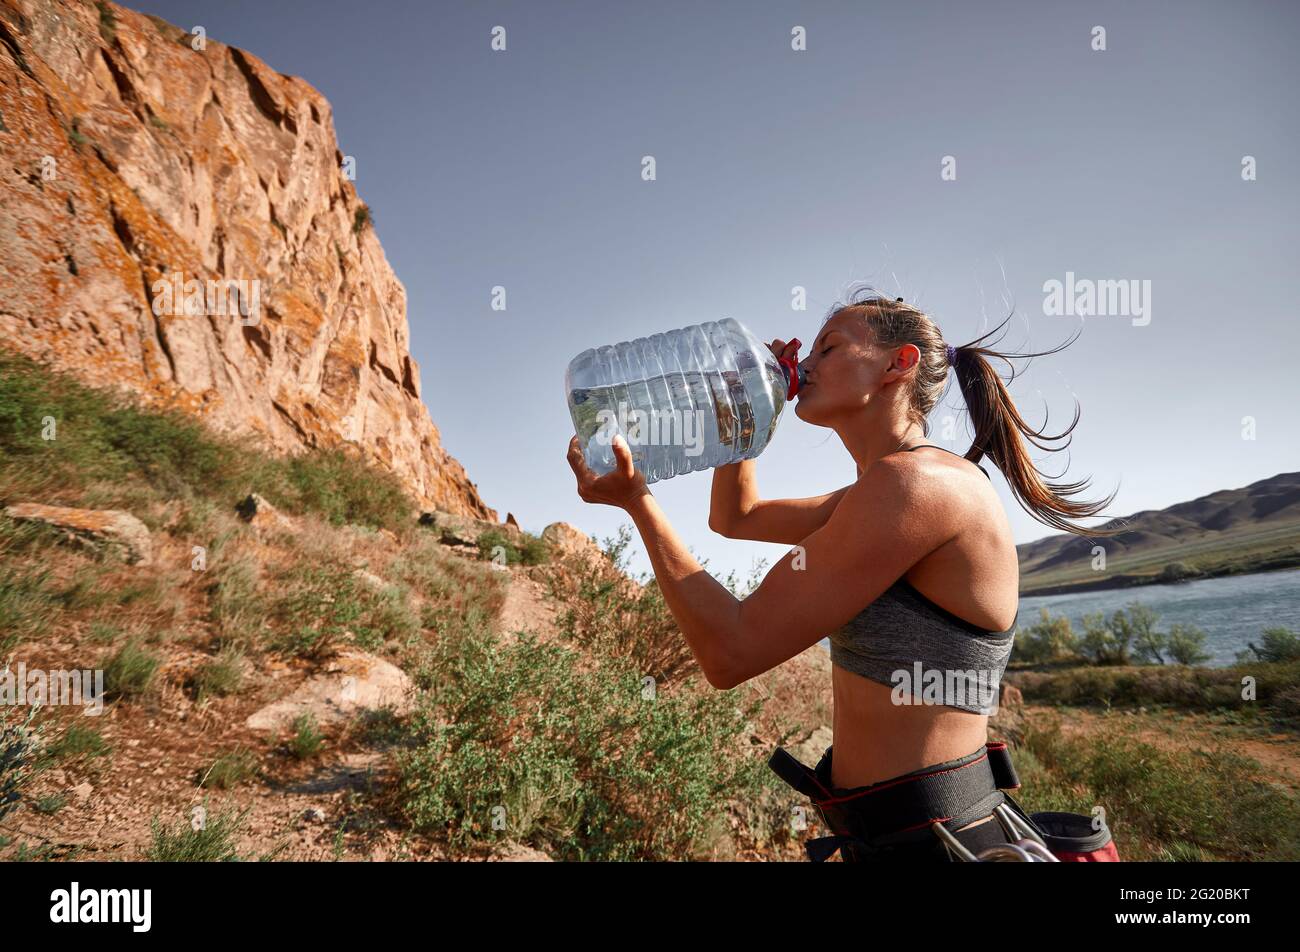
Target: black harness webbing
{"points": [[954, 793]]}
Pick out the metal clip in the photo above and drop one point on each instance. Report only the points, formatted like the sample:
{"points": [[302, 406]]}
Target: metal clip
{"points": [[1028, 846]]}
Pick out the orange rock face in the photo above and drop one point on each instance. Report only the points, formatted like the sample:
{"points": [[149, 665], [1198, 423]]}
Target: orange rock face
{"points": [[178, 221]]}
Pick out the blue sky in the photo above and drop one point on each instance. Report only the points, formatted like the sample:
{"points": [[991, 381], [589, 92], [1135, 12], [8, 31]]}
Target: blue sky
{"points": [[819, 168]]}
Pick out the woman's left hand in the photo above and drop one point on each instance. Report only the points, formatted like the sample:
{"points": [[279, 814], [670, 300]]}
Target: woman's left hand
{"points": [[621, 487]]}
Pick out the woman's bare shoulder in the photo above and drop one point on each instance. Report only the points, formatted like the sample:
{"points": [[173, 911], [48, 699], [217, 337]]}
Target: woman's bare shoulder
{"points": [[943, 483]]}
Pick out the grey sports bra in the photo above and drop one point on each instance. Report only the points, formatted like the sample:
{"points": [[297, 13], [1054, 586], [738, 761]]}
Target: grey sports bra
{"points": [[925, 652]]}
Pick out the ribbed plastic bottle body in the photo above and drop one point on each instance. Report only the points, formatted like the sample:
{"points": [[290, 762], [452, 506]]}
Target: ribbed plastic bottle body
{"points": [[685, 400]]}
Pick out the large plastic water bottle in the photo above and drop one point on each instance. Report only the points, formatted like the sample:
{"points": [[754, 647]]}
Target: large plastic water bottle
{"points": [[684, 400]]}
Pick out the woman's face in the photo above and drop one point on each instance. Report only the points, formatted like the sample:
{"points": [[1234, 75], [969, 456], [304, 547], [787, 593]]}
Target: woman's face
{"points": [[844, 371]]}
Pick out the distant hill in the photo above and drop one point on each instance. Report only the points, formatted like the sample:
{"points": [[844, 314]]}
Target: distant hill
{"points": [[1229, 532]]}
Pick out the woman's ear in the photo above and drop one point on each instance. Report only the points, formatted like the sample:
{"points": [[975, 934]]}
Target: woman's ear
{"points": [[908, 356]]}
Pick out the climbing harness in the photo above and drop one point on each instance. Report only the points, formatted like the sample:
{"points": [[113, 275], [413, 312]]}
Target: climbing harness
{"points": [[891, 819]]}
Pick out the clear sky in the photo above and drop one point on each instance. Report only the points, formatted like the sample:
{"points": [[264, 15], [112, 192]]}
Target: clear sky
{"points": [[778, 168]]}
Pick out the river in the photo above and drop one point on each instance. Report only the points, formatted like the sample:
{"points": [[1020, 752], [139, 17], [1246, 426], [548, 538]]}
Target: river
{"points": [[1231, 610]]}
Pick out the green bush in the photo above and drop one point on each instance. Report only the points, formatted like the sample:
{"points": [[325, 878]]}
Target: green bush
{"points": [[345, 490], [50, 805], [1129, 636], [1176, 572], [606, 613], [324, 605], [1277, 644], [1187, 645], [1047, 640], [526, 742], [1178, 686], [1160, 804], [494, 545]]}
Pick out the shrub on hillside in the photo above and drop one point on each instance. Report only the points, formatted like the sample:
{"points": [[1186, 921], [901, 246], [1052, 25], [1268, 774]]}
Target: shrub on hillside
{"points": [[568, 753], [611, 614], [494, 545]]}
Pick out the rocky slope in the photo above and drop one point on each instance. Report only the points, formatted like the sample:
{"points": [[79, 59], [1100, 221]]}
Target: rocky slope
{"points": [[145, 175]]}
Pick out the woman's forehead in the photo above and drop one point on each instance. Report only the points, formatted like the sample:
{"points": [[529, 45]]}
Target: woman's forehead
{"points": [[848, 323]]}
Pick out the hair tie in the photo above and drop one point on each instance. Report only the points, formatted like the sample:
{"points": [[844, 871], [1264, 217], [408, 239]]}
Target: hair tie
{"points": [[952, 355]]}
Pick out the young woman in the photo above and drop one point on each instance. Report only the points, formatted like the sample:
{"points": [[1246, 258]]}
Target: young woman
{"points": [[911, 570]]}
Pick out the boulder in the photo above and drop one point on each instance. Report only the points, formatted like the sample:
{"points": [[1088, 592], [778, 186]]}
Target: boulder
{"points": [[811, 749], [565, 539], [353, 681], [119, 534], [260, 514]]}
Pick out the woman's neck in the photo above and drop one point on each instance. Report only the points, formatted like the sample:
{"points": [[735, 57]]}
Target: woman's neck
{"points": [[867, 443]]}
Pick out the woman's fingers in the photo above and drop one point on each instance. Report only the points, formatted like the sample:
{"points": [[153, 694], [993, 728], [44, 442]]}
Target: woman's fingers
{"points": [[581, 470], [782, 349], [575, 459], [623, 454], [617, 487]]}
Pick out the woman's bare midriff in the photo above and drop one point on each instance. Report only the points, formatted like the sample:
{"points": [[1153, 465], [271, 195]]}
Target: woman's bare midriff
{"points": [[876, 739]]}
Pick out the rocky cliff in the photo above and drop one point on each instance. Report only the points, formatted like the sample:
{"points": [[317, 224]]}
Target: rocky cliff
{"points": [[176, 217]]}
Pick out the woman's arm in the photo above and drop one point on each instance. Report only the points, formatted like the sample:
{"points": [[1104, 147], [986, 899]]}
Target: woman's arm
{"points": [[735, 511], [705, 611], [821, 584]]}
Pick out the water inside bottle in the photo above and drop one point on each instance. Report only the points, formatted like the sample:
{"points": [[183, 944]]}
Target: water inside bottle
{"points": [[683, 421]]}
